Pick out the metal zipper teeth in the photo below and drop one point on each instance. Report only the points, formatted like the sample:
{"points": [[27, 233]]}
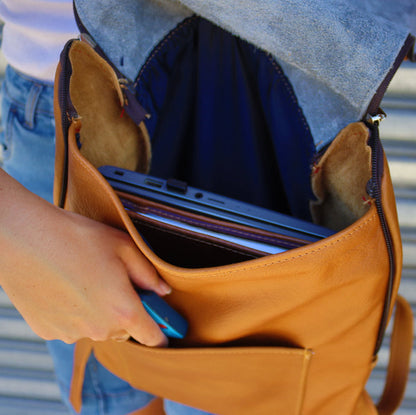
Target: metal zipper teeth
{"points": [[374, 190], [67, 112], [374, 187], [404, 51]]}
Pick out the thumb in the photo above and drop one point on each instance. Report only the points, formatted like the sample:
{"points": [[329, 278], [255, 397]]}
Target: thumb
{"points": [[143, 328], [143, 274]]}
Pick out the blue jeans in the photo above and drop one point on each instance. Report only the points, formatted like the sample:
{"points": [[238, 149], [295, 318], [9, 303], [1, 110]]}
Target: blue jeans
{"points": [[27, 144]]}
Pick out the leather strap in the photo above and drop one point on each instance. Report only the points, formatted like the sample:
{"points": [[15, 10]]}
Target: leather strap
{"points": [[400, 351], [82, 352]]}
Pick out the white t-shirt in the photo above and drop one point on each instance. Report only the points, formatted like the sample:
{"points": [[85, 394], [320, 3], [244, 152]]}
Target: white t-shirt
{"points": [[34, 34]]}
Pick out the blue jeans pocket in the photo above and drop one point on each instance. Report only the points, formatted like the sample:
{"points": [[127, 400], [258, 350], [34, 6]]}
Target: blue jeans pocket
{"points": [[28, 137]]}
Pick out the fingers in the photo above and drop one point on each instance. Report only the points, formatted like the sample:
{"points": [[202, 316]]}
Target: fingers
{"points": [[143, 328], [127, 314], [143, 274]]}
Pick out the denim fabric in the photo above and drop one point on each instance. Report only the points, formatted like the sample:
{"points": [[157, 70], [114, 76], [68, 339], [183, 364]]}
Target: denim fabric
{"points": [[103, 393], [27, 142], [174, 408], [144, 23], [335, 52]]}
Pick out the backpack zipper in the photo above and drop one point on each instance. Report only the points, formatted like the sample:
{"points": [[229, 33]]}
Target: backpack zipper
{"points": [[374, 190], [68, 112], [374, 116]]}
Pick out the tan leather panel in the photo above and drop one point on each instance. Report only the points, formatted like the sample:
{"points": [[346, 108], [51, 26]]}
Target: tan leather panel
{"points": [[195, 375], [339, 179], [98, 98]]}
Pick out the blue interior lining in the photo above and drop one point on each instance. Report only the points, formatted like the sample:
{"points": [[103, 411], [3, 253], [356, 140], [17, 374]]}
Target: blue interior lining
{"points": [[224, 118]]}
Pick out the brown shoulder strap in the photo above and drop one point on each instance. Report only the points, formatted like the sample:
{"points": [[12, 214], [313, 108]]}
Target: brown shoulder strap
{"points": [[400, 352]]}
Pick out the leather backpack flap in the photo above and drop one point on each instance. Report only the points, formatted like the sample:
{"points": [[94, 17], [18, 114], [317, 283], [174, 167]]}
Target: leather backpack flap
{"points": [[99, 134], [108, 136], [340, 179]]}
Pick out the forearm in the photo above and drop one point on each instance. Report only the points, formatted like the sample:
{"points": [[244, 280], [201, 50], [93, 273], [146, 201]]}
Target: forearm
{"points": [[69, 276], [22, 218]]}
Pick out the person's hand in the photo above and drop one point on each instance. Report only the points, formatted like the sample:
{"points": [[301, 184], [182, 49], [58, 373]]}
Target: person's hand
{"points": [[71, 277]]}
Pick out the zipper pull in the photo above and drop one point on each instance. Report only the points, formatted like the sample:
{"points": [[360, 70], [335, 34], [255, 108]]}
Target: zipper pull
{"points": [[376, 119], [131, 104], [373, 122]]}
